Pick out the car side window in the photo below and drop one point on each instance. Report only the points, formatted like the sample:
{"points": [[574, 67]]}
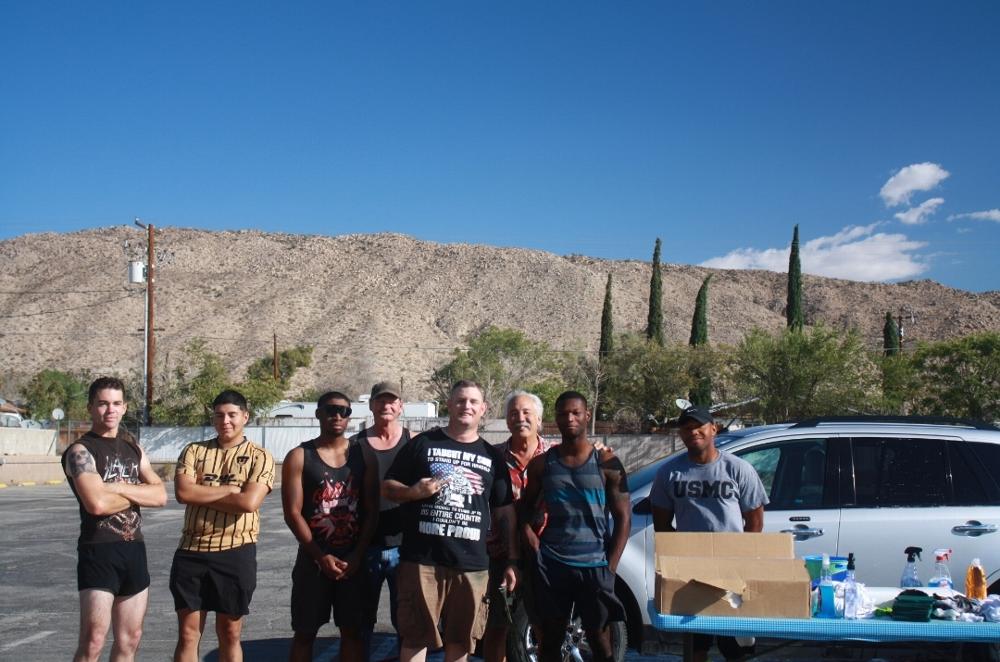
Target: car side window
{"points": [[793, 472], [900, 472], [974, 468]]}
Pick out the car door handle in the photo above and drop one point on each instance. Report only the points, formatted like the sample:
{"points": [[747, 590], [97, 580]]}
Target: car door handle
{"points": [[973, 528], [803, 532]]}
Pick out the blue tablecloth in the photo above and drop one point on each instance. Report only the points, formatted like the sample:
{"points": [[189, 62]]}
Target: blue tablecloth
{"points": [[821, 629]]}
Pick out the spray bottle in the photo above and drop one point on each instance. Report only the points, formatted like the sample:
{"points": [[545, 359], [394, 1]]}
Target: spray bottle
{"points": [[852, 597], [910, 577], [942, 576]]}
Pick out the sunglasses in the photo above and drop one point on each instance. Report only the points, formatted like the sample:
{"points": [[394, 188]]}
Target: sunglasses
{"points": [[336, 410]]}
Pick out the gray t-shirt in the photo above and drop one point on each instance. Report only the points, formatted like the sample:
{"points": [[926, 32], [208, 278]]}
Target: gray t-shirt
{"points": [[708, 497]]}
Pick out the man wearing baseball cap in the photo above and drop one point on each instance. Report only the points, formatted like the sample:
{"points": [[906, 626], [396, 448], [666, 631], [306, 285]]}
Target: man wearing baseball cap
{"points": [[382, 441], [710, 490]]}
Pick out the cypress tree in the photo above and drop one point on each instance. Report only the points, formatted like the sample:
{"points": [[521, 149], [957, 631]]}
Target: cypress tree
{"points": [[890, 336], [699, 322], [654, 321], [607, 325], [701, 394], [793, 308]]}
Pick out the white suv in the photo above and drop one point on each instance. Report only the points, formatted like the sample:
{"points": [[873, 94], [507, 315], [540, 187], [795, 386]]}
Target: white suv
{"points": [[868, 485]]}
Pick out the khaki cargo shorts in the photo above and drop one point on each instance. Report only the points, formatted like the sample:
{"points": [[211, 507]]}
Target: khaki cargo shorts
{"points": [[429, 594]]}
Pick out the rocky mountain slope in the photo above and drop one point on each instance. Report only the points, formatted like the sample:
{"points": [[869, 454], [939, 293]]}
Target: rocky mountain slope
{"points": [[386, 305]]}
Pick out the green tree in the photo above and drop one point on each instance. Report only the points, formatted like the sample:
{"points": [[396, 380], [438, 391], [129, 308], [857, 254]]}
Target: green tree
{"points": [[960, 377], [701, 394], [186, 396], [890, 336], [500, 360], [798, 375], [644, 378], [793, 308], [654, 320], [607, 324], [49, 389]]}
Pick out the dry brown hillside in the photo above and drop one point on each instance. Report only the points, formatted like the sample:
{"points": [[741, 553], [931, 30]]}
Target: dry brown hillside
{"points": [[387, 305]]}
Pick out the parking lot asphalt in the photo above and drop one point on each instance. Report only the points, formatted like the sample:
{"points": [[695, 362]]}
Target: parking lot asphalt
{"points": [[39, 607]]}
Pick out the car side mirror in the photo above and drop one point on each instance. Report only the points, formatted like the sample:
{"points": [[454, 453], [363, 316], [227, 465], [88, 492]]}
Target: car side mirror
{"points": [[642, 507]]}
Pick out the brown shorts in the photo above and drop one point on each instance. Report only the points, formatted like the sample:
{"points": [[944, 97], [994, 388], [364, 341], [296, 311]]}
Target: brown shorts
{"points": [[428, 594]]}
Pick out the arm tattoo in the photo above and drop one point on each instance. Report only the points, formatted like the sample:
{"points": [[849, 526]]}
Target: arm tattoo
{"points": [[81, 462]]}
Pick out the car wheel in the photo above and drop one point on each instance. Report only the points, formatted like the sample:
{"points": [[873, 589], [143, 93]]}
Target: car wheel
{"points": [[522, 644]]}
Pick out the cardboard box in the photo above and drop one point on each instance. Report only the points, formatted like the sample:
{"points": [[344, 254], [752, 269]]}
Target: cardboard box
{"points": [[730, 574]]}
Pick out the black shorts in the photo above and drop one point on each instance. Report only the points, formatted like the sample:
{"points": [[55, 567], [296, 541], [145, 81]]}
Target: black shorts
{"points": [[314, 595], [558, 586], [117, 567], [215, 581]]}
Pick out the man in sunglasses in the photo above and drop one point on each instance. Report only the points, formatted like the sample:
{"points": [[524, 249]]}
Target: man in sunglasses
{"points": [[450, 480], [329, 497], [383, 441]]}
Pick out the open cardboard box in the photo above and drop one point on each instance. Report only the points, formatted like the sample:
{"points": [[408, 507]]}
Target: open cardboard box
{"points": [[730, 574]]}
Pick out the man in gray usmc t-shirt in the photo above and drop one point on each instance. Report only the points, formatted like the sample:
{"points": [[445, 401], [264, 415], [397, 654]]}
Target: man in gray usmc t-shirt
{"points": [[707, 490]]}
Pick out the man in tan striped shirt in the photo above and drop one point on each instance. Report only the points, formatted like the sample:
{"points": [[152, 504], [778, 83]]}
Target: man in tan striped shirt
{"points": [[223, 482]]}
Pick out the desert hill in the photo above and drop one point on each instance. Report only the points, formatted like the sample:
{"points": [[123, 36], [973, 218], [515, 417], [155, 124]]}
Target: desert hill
{"points": [[385, 305]]}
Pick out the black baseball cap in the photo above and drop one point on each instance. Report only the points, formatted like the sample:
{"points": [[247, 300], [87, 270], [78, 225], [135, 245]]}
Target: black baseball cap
{"points": [[700, 414]]}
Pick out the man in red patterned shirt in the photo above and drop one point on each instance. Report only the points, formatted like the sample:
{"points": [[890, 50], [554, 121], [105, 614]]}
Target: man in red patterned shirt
{"points": [[524, 420]]}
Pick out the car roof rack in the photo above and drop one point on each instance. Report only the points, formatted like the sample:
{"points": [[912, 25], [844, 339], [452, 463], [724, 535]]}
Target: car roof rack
{"points": [[912, 420]]}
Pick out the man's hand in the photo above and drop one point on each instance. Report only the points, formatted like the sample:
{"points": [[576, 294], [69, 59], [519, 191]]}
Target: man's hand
{"points": [[425, 487], [351, 565], [511, 576], [331, 566]]}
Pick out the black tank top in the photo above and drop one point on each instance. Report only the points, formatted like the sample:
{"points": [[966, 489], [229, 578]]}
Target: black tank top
{"points": [[331, 498], [117, 460], [389, 532]]}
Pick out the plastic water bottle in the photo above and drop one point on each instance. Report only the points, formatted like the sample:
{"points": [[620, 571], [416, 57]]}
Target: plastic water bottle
{"points": [[852, 598], [942, 576], [827, 607], [975, 580]]}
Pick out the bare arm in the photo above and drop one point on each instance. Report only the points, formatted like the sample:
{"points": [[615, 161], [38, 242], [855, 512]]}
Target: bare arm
{"points": [[621, 512], [369, 505], [753, 520], [247, 499], [527, 505], [663, 519], [393, 490], [150, 492], [95, 496], [291, 506], [188, 491]]}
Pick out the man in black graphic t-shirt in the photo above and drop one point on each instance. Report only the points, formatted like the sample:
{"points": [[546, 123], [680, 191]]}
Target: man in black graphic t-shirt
{"points": [[111, 478], [450, 480]]}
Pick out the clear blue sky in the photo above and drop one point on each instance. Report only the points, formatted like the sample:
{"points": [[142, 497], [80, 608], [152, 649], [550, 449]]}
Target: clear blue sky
{"points": [[573, 127]]}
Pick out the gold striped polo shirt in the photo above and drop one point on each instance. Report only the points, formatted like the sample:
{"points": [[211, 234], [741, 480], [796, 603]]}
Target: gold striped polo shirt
{"points": [[207, 529]]}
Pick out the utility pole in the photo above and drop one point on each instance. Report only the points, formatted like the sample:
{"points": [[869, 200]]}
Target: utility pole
{"points": [[150, 307], [274, 355]]}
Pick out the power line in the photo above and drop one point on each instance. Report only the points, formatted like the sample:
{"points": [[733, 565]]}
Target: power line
{"points": [[104, 291], [64, 310]]}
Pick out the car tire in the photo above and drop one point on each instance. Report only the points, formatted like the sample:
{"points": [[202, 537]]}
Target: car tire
{"points": [[522, 646]]}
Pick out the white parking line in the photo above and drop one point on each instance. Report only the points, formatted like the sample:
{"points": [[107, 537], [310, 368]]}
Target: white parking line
{"points": [[27, 640]]}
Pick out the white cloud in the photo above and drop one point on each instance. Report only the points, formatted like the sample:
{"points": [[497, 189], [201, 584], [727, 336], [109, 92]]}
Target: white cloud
{"points": [[912, 178], [854, 253], [920, 213], [988, 215]]}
